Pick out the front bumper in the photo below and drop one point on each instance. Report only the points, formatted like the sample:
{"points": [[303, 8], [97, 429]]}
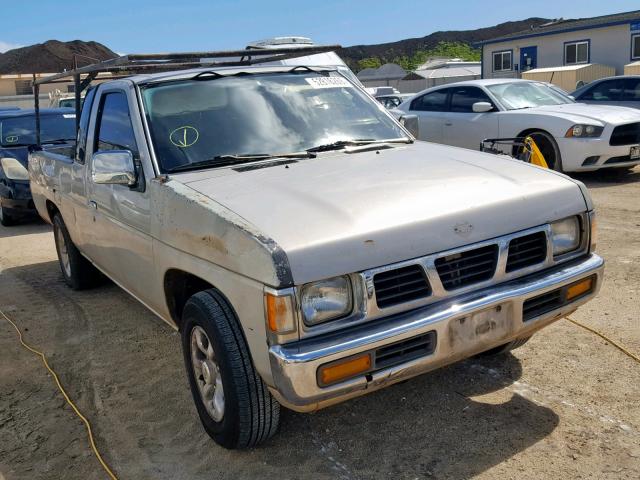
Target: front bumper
{"points": [[16, 199], [294, 366], [575, 151]]}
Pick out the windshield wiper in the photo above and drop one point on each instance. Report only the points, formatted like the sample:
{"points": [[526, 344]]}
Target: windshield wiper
{"points": [[226, 160], [340, 144]]}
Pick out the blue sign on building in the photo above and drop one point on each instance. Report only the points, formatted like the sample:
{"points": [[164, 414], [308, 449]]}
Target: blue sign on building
{"points": [[635, 26]]}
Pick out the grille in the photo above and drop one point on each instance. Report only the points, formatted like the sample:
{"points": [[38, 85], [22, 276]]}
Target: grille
{"points": [[542, 304], [405, 351], [466, 268], [400, 285], [526, 251], [626, 135]]}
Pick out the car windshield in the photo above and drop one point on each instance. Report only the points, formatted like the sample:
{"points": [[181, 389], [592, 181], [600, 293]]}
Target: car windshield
{"points": [[209, 117], [16, 131], [518, 95]]}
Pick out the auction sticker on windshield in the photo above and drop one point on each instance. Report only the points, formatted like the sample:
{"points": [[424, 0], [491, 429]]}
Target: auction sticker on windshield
{"points": [[328, 82]]}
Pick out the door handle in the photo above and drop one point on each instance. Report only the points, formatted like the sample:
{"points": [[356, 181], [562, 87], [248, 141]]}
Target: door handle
{"points": [[447, 124], [92, 204]]}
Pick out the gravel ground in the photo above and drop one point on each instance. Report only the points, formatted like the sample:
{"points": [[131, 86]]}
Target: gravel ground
{"points": [[563, 406]]}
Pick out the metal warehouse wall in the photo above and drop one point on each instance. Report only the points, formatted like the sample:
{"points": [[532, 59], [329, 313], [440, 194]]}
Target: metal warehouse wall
{"points": [[609, 46]]}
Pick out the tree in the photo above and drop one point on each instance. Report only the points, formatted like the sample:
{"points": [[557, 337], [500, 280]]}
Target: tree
{"points": [[371, 62]]}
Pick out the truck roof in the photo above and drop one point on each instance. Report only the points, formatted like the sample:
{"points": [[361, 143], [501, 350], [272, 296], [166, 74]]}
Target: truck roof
{"points": [[186, 74], [27, 112]]}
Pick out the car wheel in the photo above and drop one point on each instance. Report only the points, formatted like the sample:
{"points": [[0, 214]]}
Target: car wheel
{"points": [[549, 149], [6, 219], [234, 404], [77, 271], [507, 347]]}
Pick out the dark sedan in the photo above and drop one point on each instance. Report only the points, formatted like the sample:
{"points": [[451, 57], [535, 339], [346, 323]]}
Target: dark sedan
{"points": [[17, 134]]}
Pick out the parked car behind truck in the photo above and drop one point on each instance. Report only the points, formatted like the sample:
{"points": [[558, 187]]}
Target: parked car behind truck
{"points": [[572, 136], [17, 134], [306, 248]]}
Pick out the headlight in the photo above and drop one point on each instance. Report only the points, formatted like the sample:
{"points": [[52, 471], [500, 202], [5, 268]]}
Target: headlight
{"points": [[584, 131], [326, 300], [565, 235], [13, 169]]}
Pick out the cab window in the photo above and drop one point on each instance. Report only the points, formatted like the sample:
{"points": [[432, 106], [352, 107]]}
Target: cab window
{"points": [[114, 129], [607, 91]]}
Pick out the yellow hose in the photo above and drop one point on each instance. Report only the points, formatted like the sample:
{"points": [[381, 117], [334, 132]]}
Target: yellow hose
{"points": [[604, 337], [66, 397]]}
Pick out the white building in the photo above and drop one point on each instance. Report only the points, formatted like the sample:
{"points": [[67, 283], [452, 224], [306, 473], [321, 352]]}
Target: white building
{"points": [[612, 40]]}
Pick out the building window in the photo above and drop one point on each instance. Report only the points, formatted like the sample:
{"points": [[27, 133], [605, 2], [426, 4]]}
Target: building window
{"points": [[576, 52], [71, 88], [635, 47], [502, 61], [24, 87]]}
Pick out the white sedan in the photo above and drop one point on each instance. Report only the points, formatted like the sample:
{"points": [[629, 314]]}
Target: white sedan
{"points": [[572, 136]]}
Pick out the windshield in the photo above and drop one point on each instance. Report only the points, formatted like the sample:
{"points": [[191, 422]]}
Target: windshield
{"points": [[519, 95], [197, 120], [21, 130]]}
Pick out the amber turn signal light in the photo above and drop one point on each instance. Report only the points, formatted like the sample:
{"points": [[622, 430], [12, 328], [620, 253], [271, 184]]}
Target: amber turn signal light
{"points": [[279, 312], [343, 369], [579, 288]]}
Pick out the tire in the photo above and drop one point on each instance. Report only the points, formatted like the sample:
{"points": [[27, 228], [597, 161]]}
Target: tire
{"points": [[77, 271], [506, 348], [549, 149], [212, 339], [6, 219]]}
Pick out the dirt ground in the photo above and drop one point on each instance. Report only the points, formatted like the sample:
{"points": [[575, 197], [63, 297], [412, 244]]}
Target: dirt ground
{"points": [[566, 405]]}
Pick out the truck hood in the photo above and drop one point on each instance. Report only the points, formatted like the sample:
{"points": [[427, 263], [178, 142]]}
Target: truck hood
{"points": [[582, 111], [347, 212]]}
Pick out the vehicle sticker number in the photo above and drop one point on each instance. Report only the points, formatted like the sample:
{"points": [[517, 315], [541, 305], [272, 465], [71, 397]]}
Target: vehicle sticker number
{"points": [[328, 82], [11, 139], [69, 115], [185, 136]]}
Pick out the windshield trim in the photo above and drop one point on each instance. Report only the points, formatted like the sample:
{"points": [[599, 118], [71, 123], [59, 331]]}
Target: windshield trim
{"points": [[162, 171]]}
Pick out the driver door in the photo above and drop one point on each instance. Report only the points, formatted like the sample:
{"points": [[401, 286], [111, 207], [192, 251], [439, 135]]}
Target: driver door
{"points": [[464, 127], [120, 221]]}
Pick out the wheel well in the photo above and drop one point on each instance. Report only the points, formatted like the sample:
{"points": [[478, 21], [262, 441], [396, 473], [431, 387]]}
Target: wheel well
{"points": [[51, 209], [179, 286]]}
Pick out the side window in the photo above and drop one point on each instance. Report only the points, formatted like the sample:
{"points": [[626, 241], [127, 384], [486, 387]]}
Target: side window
{"points": [[607, 91], [463, 98], [85, 116], [631, 89], [431, 102], [114, 130]]}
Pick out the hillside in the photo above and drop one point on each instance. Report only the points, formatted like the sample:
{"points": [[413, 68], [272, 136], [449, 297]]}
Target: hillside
{"points": [[409, 47], [51, 57]]}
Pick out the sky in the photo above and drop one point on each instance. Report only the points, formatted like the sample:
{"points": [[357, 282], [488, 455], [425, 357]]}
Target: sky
{"points": [[145, 26]]}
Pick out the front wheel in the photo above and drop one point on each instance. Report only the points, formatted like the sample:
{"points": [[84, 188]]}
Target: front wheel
{"points": [[234, 404], [549, 149]]}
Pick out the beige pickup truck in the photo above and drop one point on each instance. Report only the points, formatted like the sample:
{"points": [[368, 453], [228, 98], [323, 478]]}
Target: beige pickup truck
{"points": [[305, 246]]}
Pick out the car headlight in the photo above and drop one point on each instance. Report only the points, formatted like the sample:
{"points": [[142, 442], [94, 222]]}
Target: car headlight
{"points": [[584, 131], [13, 169], [326, 300], [565, 235]]}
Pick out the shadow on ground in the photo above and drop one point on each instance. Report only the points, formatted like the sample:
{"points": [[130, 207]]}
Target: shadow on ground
{"points": [[608, 177], [125, 369]]}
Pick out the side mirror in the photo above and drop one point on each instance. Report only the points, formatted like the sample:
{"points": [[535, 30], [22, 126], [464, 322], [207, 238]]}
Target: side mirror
{"points": [[115, 167], [482, 107], [410, 122]]}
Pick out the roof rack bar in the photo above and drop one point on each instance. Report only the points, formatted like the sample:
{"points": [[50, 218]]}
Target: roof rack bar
{"points": [[167, 61]]}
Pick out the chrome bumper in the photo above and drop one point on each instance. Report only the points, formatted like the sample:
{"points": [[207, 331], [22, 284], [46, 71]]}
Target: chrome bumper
{"points": [[294, 366]]}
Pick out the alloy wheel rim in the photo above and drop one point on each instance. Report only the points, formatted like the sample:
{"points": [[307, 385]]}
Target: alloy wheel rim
{"points": [[206, 372], [63, 252]]}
